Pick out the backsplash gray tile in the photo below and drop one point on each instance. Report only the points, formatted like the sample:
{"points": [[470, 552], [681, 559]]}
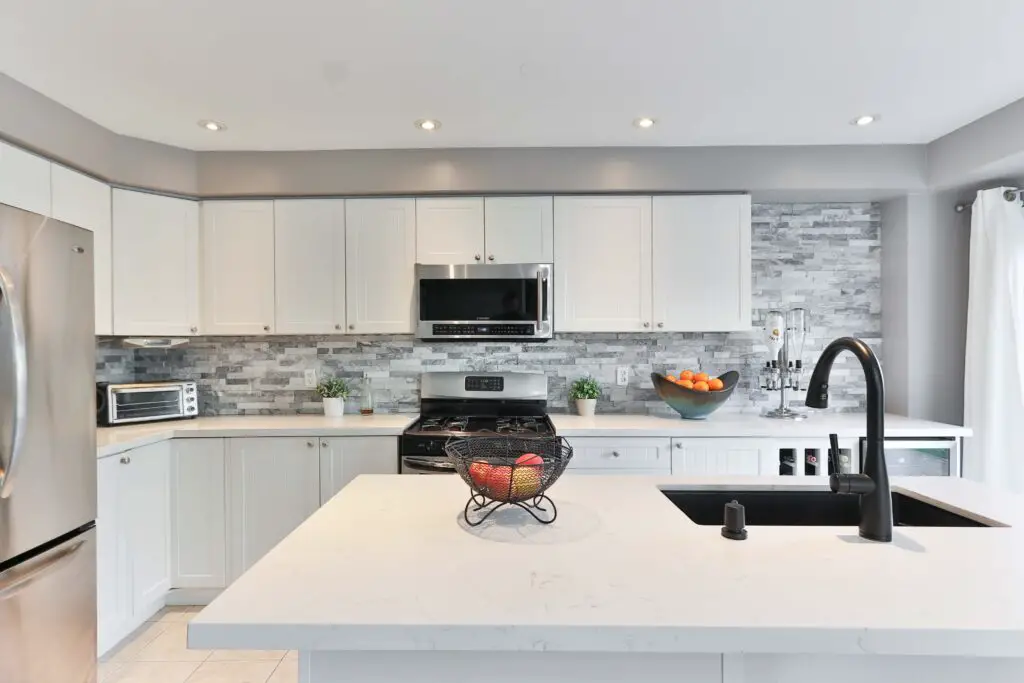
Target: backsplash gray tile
{"points": [[823, 257]]}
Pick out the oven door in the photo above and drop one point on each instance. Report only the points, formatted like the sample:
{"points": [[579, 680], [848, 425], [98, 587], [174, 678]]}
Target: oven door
{"points": [[146, 402], [484, 301], [417, 464]]}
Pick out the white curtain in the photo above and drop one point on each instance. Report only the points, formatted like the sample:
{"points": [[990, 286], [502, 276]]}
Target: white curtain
{"points": [[994, 367]]}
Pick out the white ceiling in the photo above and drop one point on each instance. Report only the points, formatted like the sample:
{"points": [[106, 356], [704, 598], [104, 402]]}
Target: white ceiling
{"points": [[351, 74]]}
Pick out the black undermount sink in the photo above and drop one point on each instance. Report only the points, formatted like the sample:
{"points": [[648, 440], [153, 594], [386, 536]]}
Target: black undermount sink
{"points": [[808, 508]]}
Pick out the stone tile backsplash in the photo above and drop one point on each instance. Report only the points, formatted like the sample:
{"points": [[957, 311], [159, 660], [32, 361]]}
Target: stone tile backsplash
{"points": [[823, 257]]}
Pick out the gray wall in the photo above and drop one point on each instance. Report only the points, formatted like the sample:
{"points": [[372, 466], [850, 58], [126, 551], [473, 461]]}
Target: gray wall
{"points": [[824, 257]]}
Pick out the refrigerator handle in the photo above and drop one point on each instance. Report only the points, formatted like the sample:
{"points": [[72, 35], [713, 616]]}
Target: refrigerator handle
{"points": [[20, 361], [18, 578]]}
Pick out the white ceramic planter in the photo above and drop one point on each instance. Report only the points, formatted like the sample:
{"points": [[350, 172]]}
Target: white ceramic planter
{"points": [[334, 407], [586, 406]]}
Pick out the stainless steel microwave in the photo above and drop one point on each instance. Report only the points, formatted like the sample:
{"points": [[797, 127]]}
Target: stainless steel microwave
{"points": [[145, 402], [508, 301]]}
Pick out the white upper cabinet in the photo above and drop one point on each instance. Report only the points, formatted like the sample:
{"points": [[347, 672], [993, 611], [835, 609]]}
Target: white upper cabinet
{"points": [[309, 257], [24, 180], [238, 267], [80, 200], [602, 264], [519, 229], [450, 230], [709, 289], [156, 264], [380, 254]]}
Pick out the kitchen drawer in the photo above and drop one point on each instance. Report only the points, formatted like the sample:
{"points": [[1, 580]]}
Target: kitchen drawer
{"points": [[650, 454]]}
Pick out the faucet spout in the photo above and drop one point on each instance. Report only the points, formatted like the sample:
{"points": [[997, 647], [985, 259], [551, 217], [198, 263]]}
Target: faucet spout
{"points": [[876, 500]]}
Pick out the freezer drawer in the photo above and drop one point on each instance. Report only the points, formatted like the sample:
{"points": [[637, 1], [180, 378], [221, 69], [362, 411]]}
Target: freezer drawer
{"points": [[48, 615]]}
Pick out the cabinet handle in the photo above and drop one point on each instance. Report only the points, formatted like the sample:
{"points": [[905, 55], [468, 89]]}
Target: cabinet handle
{"points": [[491, 257], [125, 460], [477, 257], [351, 327], [266, 328], [309, 444], [323, 444], [647, 324], [679, 444], [661, 324], [193, 329], [337, 326], [615, 454]]}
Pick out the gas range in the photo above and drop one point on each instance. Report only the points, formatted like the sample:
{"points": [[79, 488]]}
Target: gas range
{"points": [[463, 405]]}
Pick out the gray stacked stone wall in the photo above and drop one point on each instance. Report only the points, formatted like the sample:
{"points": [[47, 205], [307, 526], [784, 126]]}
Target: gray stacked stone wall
{"points": [[822, 257]]}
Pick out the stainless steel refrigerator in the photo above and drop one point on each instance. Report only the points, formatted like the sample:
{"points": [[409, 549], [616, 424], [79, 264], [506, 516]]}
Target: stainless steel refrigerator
{"points": [[47, 451]]}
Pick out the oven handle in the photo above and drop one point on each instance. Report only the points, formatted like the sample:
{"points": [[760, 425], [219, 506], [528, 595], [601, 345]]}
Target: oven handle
{"points": [[429, 465]]}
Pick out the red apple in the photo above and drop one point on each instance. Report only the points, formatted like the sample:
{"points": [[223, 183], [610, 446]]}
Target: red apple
{"points": [[479, 472], [529, 459], [499, 482]]}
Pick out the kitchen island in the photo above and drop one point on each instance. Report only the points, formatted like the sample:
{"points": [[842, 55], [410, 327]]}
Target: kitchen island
{"points": [[387, 583]]}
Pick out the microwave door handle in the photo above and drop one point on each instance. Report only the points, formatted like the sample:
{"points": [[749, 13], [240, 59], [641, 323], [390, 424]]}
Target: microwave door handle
{"points": [[19, 399], [540, 297]]}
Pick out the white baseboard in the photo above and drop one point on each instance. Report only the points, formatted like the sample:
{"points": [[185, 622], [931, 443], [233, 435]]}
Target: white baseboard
{"points": [[192, 596]]}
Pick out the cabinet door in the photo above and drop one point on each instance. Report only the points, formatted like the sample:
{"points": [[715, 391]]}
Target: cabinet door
{"points": [[156, 264], [450, 230], [602, 264], [198, 524], [693, 457], [24, 180], [85, 202], [237, 283], [380, 255], [145, 494], [273, 486], [344, 458], [710, 290], [113, 606], [309, 265], [519, 229], [633, 454]]}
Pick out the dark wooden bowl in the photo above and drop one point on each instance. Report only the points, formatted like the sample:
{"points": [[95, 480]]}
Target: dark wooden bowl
{"points": [[691, 404]]}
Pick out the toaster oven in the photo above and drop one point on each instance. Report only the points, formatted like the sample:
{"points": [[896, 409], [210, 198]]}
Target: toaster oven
{"points": [[145, 402]]}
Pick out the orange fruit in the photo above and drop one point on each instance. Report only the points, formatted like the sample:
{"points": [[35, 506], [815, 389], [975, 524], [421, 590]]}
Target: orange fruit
{"points": [[700, 377], [670, 378], [686, 374], [685, 383], [716, 384], [700, 386]]}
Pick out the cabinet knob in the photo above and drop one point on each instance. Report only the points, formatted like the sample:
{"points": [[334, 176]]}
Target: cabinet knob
{"points": [[661, 324], [679, 444], [266, 328], [647, 324], [125, 460], [615, 454], [477, 257], [491, 257], [351, 327], [193, 329], [310, 444], [323, 444], [337, 326]]}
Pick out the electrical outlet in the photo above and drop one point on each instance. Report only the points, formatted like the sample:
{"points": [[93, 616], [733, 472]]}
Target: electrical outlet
{"points": [[622, 376], [310, 377]]}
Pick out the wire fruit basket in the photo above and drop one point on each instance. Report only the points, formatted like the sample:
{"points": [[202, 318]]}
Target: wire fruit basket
{"points": [[509, 470]]}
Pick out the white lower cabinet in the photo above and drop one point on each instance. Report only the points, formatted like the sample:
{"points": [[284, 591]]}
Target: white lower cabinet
{"points": [[691, 457], [133, 539], [345, 458], [273, 485], [631, 455], [198, 524]]}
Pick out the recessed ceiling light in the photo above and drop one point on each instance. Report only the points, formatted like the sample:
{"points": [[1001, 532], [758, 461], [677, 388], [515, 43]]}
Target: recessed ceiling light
{"points": [[428, 124], [643, 122], [865, 120], [214, 126]]}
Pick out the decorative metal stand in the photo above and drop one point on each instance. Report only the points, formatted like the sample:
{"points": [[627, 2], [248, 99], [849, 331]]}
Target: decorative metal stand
{"points": [[477, 501], [782, 375]]}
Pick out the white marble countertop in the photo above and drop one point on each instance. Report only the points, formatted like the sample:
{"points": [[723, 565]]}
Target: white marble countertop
{"points": [[388, 565], [113, 440]]}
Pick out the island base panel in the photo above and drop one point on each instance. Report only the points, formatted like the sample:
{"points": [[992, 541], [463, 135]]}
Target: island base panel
{"points": [[589, 667]]}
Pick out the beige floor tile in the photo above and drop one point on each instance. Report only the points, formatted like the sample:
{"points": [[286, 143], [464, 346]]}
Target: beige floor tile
{"points": [[154, 672], [127, 650], [233, 672], [170, 646], [286, 672], [105, 671], [247, 655], [173, 615]]}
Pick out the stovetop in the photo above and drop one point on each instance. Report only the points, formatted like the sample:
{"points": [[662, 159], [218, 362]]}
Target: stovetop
{"points": [[465, 425]]}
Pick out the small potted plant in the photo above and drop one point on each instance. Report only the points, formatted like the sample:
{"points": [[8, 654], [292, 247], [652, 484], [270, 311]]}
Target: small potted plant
{"points": [[584, 392], [334, 391]]}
